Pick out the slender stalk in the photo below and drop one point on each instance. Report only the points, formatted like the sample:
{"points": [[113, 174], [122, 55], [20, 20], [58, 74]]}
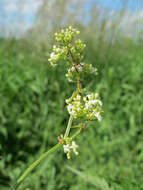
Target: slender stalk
{"points": [[76, 133], [68, 126], [34, 165], [43, 156]]}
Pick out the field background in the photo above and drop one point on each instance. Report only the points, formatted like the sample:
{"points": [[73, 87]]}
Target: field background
{"points": [[32, 101]]}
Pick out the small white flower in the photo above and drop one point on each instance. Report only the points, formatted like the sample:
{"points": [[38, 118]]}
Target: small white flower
{"points": [[93, 102], [90, 104], [74, 147], [53, 56], [70, 107], [98, 116], [66, 148], [72, 69]]}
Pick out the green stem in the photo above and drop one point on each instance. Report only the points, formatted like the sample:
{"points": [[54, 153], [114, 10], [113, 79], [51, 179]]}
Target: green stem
{"points": [[44, 155], [68, 126], [34, 165], [76, 133]]}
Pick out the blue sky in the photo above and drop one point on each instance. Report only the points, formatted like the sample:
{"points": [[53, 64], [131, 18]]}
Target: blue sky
{"points": [[134, 5], [11, 12]]}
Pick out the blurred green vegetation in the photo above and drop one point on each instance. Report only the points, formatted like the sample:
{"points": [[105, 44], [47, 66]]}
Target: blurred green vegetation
{"points": [[33, 111]]}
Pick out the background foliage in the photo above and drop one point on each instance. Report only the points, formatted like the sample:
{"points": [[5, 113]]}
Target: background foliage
{"points": [[33, 113]]}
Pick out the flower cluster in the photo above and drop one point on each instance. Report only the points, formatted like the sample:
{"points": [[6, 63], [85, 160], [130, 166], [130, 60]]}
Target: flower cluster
{"points": [[66, 36], [82, 68], [58, 54], [70, 50], [81, 105], [88, 107], [64, 48], [69, 147]]}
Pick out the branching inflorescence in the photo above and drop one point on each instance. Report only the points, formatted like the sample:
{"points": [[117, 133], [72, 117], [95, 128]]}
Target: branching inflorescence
{"points": [[82, 106]]}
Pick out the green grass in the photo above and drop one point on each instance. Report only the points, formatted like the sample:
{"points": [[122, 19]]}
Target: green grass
{"points": [[33, 114]]}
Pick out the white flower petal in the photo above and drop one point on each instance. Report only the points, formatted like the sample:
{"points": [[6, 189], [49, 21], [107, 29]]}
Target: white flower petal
{"points": [[66, 148]]}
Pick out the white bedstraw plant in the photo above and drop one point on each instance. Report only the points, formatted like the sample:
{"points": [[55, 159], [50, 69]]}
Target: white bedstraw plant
{"points": [[82, 106]]}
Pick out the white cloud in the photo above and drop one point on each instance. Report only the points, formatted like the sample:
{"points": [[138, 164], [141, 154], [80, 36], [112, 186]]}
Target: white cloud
{"points": [[10, 6], [20, 13], [31, 5], [130, 23], [26, 6]]}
